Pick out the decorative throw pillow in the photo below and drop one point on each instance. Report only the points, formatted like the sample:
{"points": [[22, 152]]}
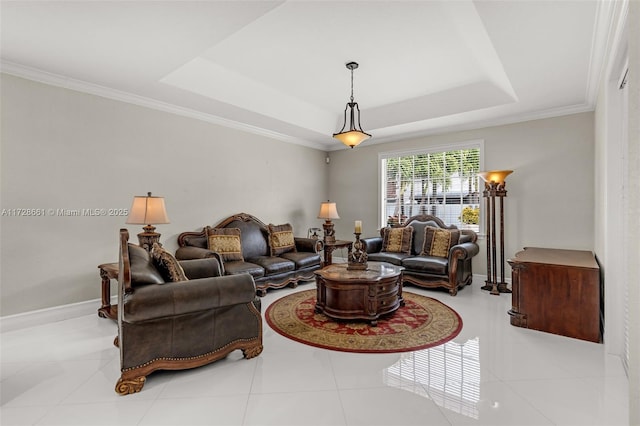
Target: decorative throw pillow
{"points": [[281, 239], [167, 264], [397, 240], [225, 241], [438, 242]]}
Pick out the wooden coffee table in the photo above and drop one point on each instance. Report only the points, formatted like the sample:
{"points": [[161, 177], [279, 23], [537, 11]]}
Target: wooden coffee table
{"points": [[365, 294]]}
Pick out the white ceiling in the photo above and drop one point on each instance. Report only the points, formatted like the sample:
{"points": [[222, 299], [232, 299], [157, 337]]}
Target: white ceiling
{"points": [[278, 67]]}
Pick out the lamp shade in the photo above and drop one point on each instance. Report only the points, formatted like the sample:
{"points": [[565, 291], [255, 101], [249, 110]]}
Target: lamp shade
{"points": [[352, 138], [328, 211], [496, 176], [147, 210]]}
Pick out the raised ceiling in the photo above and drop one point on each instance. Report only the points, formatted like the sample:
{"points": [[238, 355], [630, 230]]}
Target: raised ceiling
{"points": [[278, 67]]}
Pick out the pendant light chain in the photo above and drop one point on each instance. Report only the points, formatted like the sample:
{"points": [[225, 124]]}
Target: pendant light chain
{"points": [[352, 85]]}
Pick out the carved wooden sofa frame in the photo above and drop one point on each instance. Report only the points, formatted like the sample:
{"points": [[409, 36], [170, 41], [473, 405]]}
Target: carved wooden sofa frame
{"points": [[256, 253]]}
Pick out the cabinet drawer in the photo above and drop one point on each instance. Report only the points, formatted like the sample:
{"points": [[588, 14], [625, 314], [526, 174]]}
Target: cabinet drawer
{"points": [[387, 301], [387, 288]]}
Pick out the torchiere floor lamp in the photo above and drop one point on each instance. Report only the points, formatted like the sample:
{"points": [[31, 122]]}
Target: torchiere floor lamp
{"points": [[494, 187]]}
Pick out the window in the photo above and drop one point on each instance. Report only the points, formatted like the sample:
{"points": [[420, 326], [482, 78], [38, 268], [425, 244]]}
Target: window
{"points": [[442, 182]]}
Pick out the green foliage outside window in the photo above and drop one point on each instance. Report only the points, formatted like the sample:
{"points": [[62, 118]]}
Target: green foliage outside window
{"points": [[435, 182], [470, 215]]}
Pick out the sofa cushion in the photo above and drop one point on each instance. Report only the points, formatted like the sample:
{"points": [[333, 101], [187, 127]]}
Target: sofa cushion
{"points": [[143, 271], [397, 240], [303, 259], [418, 234], [426, 264], [389, 257], [438, 242], [168, 266], [254, 236], [235, 267], [225, 241], [281, 239], [273, 265]]}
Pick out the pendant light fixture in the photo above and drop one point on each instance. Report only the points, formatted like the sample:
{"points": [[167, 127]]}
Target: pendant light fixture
{"points": [[355, 135]]}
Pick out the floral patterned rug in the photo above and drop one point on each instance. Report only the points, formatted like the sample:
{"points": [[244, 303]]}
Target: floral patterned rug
{"points": [[422, 323]]}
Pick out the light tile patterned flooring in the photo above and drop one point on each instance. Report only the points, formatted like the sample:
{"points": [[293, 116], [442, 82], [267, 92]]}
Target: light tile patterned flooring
{"points": [[64, 373]]}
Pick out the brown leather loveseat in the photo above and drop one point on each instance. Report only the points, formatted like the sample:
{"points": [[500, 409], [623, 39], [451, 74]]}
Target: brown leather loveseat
{"points": [[244, 244], [432, 253], [177, 315]]}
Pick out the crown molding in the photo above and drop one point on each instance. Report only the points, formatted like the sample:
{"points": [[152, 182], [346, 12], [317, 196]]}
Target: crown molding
{"points": [[118, 95], [52, 79], [610, 18], [489, 122]]}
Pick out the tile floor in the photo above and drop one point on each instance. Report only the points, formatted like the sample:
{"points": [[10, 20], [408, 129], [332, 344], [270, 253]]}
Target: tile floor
{"points": [[64, 373]]}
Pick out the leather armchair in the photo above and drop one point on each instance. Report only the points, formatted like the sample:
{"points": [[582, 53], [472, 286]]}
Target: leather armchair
{"points": [[183, 324]]}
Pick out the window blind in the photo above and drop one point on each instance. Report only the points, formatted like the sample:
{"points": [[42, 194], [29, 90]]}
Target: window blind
{"points": [[441, 182]]}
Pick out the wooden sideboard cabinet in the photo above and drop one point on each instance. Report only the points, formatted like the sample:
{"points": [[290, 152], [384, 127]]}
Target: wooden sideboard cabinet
{"points": [[557, 291]]}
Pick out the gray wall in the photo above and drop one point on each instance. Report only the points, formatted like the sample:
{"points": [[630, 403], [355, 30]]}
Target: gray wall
{"points": [[68, 150], [550, 193]]}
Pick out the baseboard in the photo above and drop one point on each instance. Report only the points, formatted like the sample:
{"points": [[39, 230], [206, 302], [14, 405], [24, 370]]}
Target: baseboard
{"points": [[481, 279], [49, 315]]}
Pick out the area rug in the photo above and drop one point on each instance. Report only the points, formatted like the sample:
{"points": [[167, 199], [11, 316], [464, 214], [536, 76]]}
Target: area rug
{"points": [[422, 323]]}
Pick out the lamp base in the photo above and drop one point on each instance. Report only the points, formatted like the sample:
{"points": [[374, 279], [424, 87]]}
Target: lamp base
{"points": [[147, 238], [495, 288], [329, 233]]}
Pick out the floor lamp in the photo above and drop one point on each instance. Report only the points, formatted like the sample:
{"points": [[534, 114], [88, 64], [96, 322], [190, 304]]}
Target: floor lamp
{"points": [[494, 187]]}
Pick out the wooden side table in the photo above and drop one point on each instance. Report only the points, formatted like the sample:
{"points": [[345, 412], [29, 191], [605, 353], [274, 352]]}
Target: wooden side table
{"points": [[108, 272], [329, 248]]}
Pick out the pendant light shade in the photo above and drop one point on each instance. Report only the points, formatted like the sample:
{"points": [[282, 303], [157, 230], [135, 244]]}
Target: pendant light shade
{"points": [[354, 136]]}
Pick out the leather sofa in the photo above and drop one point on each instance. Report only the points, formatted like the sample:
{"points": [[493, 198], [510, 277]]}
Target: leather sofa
{"points": [[434, 265], [271, 267], [178, 315]]}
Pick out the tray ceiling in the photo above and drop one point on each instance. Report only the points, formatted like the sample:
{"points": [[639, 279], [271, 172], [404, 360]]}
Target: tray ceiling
{"points": [[278, 67]]}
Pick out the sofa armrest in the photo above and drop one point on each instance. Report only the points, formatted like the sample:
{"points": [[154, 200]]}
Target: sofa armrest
{"points": [[372, 244], [190, 252], [463, 251], [201, 268], [308, 244], [182, 297]]}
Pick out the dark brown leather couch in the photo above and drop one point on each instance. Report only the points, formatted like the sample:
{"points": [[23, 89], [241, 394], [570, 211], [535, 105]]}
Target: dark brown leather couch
{"points": [[450, 272], [268, 271], [182, 324]]}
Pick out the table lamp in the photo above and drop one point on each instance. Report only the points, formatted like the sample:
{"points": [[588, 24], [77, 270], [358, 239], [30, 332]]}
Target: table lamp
{"points": [[328, 211], [148, 210]]}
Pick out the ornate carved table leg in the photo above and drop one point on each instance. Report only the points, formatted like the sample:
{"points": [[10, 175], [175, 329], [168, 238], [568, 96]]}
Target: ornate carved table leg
{"points": [[108, 271]]}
